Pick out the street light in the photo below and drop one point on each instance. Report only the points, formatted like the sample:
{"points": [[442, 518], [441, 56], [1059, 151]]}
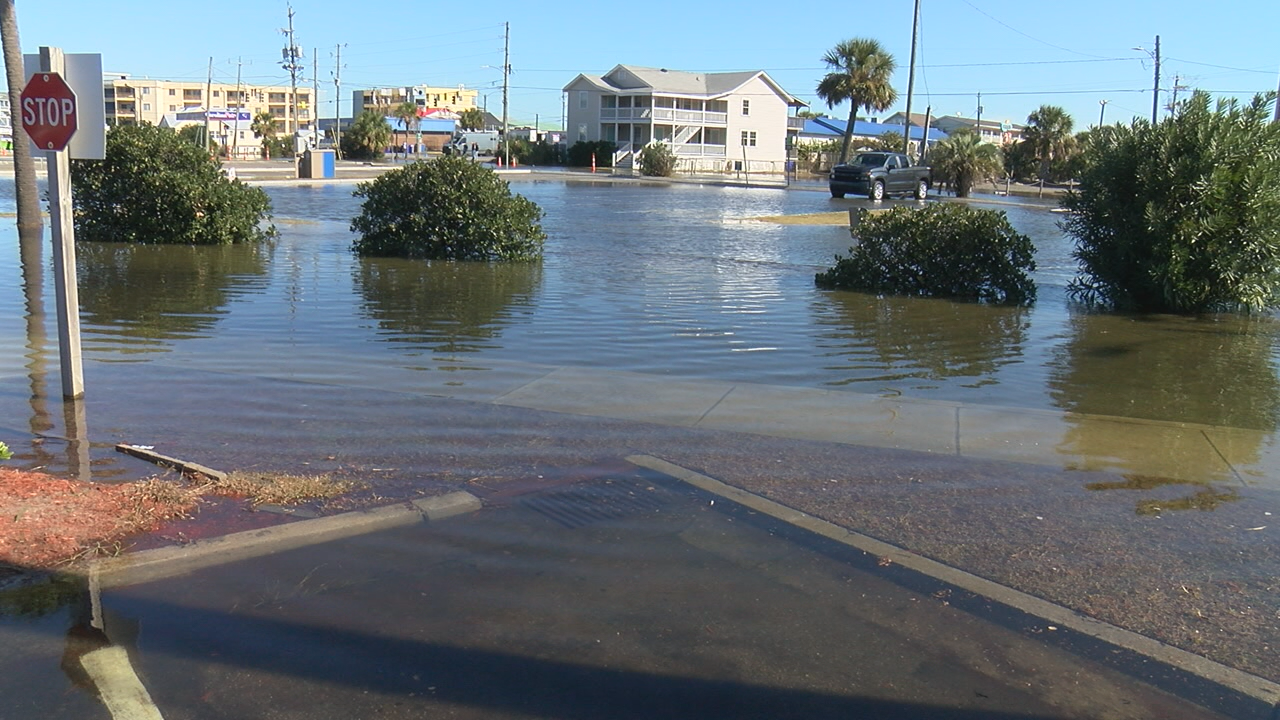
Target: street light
{"points": [[1155, 96], [1103, 112]]}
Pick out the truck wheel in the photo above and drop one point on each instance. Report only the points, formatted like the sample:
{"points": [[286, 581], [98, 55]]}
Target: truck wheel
{"points": [[837, 194], [922, 190], [877, 191]]}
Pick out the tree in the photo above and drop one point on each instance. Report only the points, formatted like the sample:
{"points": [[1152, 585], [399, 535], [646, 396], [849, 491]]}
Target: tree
{"points": [[962, 159], [1049, 133], [862, 76], [1181, 216], [447, 209], [155, 188], [264, 127], [471, 119], [407, 113], [30, 222], [941, 250], [888, 142], [367, 137], [197, 136]]}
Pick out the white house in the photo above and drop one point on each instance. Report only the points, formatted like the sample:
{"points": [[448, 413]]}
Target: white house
{"points": [[714, 122]]}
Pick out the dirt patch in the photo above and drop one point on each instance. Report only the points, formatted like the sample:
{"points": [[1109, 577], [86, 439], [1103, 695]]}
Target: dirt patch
{"points": [[281, 488], [823, 218], [47, 521]]}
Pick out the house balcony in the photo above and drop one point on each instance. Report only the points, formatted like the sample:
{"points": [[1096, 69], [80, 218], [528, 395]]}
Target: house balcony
{"points": [[699, 150], [616, 114], [689, 117]]}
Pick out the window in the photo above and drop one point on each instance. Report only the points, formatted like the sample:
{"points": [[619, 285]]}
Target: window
{"points": [[582, 132], [173, 91], [172, 108], [748, 137], [146, 91], [582, 99], [746, 110], [146, 107], [217, 93]]}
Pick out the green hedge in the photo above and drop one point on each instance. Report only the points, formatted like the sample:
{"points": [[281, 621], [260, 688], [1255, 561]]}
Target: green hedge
{"points": [[446, 209], [941, 250]]}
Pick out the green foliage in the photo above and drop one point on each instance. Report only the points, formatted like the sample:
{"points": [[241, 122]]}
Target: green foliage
{"points": [[862, 75], [446, 209], [155, 188], [5, 452], [657, 160], [962, 159], [471, 119], [1182, 216], [1048, 134], [941, 250], [197, 135], [580, 153], [541, 153], [888, 142], [367, 137]]}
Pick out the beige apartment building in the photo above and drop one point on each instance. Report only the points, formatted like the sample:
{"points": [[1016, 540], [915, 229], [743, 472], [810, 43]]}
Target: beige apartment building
{"points": [[132, 100], [385, 100]]}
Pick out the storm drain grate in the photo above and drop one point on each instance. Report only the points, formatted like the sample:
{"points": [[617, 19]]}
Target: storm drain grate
{"points": [[581, 505]]}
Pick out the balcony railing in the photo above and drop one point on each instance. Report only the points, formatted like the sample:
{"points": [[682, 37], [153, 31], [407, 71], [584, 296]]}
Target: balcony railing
{"points": [[702, 150], [690, 117], [642, 113]]}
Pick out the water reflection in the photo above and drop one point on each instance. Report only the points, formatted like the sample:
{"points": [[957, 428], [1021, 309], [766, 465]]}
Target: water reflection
{"points": [[1216, 370], [892, 338], [446, 307], [138, 298]]}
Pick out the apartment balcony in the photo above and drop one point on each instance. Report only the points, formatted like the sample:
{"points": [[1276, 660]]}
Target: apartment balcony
{"points": [[689, 117], [699, 150]]}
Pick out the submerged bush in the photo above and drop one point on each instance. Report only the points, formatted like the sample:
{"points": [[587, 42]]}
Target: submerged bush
{"points": [[446, 209], [1181, 216], [154, 187], [657, 160], [941, 250]]}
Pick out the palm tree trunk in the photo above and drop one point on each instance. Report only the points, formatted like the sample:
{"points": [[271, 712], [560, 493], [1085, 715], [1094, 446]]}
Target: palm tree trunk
{"points": [[30, 223], [848, 131]]}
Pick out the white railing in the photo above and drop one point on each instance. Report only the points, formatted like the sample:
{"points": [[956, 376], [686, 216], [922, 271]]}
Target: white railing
{"points": [[642, 113], [696, 150], [717, 118]]}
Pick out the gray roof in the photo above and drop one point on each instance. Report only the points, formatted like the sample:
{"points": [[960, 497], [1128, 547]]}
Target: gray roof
{"points": [[677, 82]]}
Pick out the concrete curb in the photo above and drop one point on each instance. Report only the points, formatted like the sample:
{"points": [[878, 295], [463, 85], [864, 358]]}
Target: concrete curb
{"points": [[1242, 682], [149, 565]]}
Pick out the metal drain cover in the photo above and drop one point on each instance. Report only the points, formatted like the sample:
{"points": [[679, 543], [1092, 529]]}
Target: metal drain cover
{"points": [[601, 500]]}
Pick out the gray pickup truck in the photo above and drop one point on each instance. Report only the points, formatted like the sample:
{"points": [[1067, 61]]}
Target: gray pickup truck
{"points": [[877, 174]]}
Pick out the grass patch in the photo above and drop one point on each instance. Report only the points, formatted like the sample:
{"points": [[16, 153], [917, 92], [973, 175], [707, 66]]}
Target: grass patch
{"points": [[823, 218], [263, 488]]}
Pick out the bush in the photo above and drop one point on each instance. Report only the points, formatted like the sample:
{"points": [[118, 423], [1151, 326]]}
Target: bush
{"points": [[446, 209], [1182, 216], [155, 188], [581, 151], [367, 138], [540, 153], [657, 160], [941, 250]]}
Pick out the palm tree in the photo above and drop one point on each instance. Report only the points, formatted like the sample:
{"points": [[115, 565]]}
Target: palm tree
{"points": [[862, 73], [30, 223], [264, 126], [962, 159], [368, 135], [1049, 133], [471, 119], [407, 113]]}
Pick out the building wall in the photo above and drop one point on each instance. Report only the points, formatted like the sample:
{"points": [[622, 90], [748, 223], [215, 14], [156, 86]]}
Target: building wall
{"points": [[767, 119], [384, 100], [133, 101]]}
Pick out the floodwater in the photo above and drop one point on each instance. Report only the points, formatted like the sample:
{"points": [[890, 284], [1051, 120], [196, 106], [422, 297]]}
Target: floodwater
{"points": [[675, 281]]}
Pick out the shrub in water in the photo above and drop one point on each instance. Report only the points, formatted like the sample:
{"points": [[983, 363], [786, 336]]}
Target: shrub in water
{"points": [[446, 209], [941, 250], [155, 188], [657, 160], [1182, 216]]}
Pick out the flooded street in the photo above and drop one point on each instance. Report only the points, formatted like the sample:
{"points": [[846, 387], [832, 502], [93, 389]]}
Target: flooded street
{"points": [[1122, 467]]}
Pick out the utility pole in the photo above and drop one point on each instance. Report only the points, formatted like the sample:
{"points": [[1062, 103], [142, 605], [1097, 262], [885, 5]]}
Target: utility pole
{"points": [[315, 95], [1177, 85], [1275, 116], [290, 61], [506, 71], [1103, 112], [1155, 97], [235, 134], [911, 80], [924, 142], [337, 101], [979, 116], [208, 104]]}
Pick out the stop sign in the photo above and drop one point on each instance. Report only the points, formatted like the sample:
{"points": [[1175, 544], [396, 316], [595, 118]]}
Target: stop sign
{"points": [[48, 111]]}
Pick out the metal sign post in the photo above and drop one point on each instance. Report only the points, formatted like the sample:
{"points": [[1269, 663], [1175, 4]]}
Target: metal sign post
{"points": [[50, 113]]}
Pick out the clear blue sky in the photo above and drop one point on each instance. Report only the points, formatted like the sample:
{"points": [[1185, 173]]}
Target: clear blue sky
{"points": [[1019, 55]]}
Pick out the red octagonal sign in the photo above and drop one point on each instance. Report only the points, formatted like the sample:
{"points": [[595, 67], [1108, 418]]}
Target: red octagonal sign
{"points": [[48, 111]]}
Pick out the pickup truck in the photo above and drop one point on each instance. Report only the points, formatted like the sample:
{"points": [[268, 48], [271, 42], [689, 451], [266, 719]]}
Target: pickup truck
{"points": [[877, 174]]}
